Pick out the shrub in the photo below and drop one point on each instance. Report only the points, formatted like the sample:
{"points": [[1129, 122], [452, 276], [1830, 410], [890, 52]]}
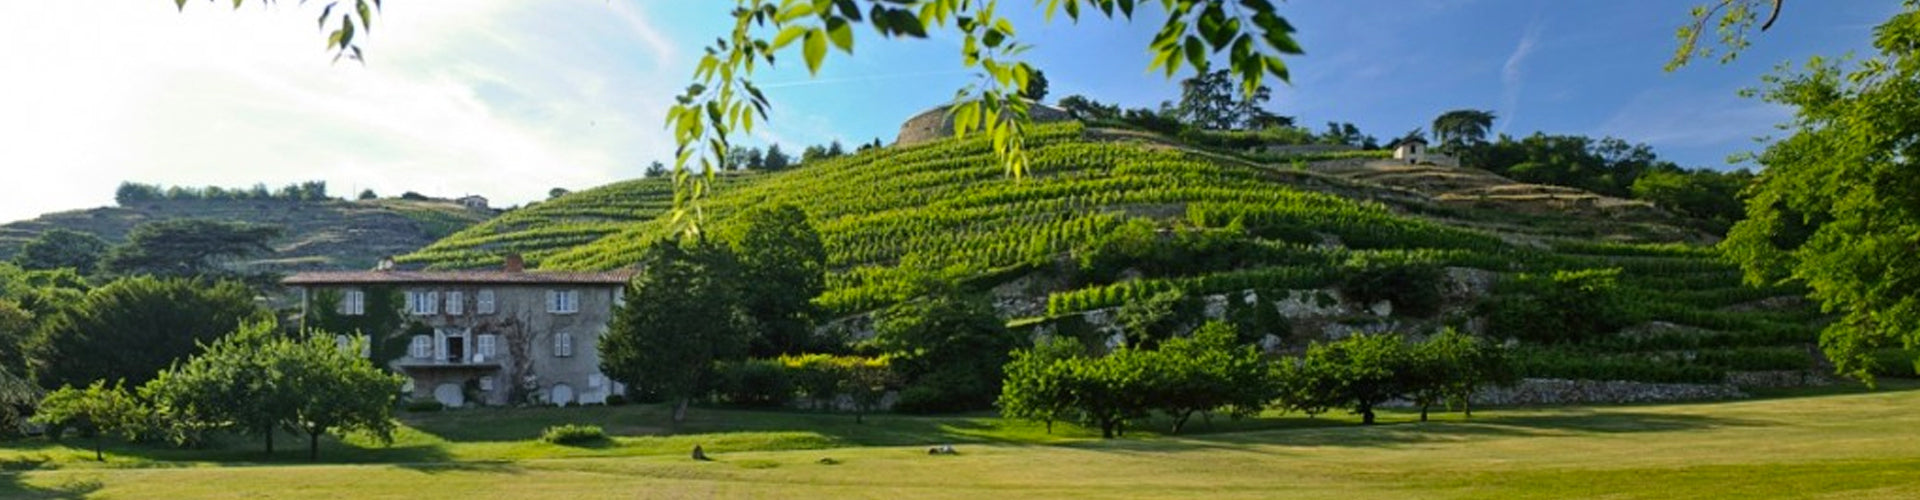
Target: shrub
{"points": [[573, 434], [616, 400], [423, 405], [925, 399], [1412, 288], [755, 383]]}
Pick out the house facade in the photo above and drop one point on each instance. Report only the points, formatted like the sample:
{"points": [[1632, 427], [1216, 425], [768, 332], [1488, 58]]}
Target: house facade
{"points": [[491, 337]]}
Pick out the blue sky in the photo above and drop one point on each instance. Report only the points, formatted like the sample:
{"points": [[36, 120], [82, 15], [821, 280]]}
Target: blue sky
{"points": [[509, 98]]}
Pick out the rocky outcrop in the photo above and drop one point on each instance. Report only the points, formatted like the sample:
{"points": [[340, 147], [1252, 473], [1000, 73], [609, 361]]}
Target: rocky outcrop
{"points": [[1535, 391]]}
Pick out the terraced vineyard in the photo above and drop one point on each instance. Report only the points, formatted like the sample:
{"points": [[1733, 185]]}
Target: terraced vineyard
{"points": [[892, 217]]}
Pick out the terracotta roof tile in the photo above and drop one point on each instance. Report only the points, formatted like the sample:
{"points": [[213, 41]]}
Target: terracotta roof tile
{"points": [[618, 277]]}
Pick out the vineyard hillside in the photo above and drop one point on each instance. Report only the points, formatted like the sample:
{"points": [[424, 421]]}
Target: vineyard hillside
{"points": [[1297, 249], [317, 234]]}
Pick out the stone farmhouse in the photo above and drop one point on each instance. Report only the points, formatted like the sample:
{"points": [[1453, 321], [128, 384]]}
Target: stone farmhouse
{"points": [[491, 337]]}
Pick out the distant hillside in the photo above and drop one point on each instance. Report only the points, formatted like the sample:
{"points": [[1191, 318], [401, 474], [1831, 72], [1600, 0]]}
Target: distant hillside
{"points": [[329, 234], [1064, 246]]}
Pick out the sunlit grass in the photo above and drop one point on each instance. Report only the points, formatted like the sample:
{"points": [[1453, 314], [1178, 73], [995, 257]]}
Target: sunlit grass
{"points": [[1829, 443]]}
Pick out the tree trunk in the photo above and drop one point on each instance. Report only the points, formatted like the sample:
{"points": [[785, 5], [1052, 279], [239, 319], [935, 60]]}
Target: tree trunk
{"points": [[1106, 429], [1466, 403], [98, 442], [1049, 426], [1180, 421], [680, 410], [269, 440], [313, 444], [1366, 414], [1423, 412]]}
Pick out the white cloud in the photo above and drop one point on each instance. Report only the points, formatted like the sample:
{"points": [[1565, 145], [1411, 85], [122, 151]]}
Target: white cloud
{"points": [[496, 97], [1512, 77]]}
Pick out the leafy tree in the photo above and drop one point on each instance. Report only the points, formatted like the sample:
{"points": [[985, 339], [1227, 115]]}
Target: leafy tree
{"points": [[1036, 89], [16, 328], [948, 345], [656, 169], [557, 192], [187, 247], [1607, 166], [1731, 20], [1160, 316], [1082, 108], [1035, 387], [814, 153], [679, 318], [133, 328], [1206, 371], [1833, 209], [785, 261], [866, 381], [1211, 101], [1461, 127], [1358, 372], [132, 192], [1110, 390], [368, 194], [1704, 194], [1347, 134], [776, 159], [332, 388], [835, 150], [17, 399], [99, 410], [60, 248]]}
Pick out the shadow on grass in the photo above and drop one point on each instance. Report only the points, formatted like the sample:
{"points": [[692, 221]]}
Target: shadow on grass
{"points": [[13, 480], [1560, 424]]}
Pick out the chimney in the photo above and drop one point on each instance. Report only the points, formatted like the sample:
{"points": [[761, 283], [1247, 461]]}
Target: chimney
{"points": [[386, 264], [515, 263]]}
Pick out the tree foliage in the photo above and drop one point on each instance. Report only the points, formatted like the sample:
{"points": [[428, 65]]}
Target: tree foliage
{"points": [[1834, 209], [1207, 371], [99, 410], [1461, 127], [782, 268], [1211, 101], [949, 347], [1563, 307], [187, 247], [133, 328], [680, 317], [62, 249], [259, 382]]}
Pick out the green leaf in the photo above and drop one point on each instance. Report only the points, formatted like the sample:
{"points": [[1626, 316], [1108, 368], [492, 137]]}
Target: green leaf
{"points": [[1197, 53], [366, 15], [815, 51], [787, 35], [841, 34]]}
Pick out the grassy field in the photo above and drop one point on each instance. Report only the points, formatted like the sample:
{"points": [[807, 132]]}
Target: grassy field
{"points": [[1844, 445]]}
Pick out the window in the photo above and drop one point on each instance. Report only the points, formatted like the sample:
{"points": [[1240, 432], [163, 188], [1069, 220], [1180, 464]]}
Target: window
{"points": [[422, 303], [421, 348], [484, 345], [353, 303], [562, 345], [563, 301], [594, 380], [456, 303], [486, 383], [483, 302], [341, 342]]}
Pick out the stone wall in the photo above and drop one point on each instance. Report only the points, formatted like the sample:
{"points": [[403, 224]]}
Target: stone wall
{"points": [[1548, 392]]}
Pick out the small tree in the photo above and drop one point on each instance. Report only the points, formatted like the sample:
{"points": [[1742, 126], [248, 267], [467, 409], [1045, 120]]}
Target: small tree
{"points": [[136, 327], [783, 257], [1035, 387], [98, 410], [1207, 371], [949, 346], [866, 382], [368, 194], [776, 159], [332, 389], [1359, 372]]}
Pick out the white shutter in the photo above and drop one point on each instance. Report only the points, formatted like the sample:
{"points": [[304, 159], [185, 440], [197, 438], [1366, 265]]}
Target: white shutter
{"points": [[411, 308], [341, 342], [486, 346], [433, 302], [439, 345], [420, 349], [563, 345], [456, 303], [484, 302], [366, 346], [553, 302]]}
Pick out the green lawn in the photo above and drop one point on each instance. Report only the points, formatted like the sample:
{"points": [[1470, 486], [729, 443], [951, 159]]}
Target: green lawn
{"points": [[1841, 445]]}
